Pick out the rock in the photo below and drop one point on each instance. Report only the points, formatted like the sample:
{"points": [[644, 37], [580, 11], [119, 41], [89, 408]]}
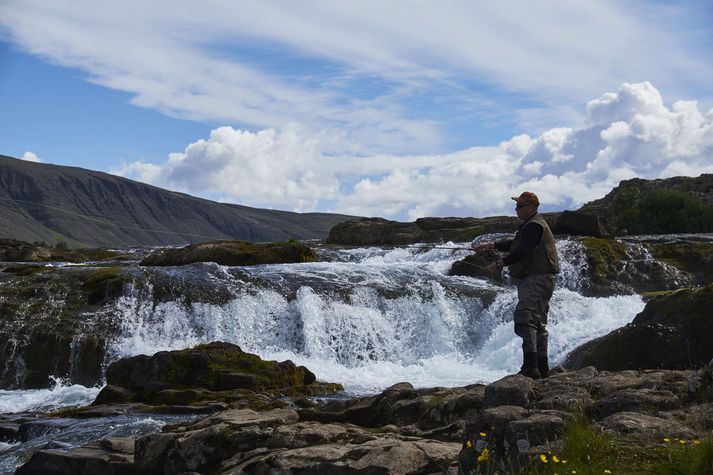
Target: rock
{"points": [[561, 397], [275, 441], [578, 223], [18, 251], [636, 400], [234, 253], [108, 457], [473, 266], [537, 428], [616, 267], [644, 427], [385, 455], [378, 231], [403, 429], [494, 421], [195, 374], [51, 325], [668, 323], [691, 255], [430, 411], [513, 390], [606, 382]]}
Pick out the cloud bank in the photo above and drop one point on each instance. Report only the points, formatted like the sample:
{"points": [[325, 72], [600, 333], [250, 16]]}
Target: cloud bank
{"points": [[629, 133], [379, 77]]}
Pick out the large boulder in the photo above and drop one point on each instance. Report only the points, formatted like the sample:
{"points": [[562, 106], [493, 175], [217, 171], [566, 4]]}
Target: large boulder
{"points": [[379, 231], [673, 331], [184, 376], [577, 223], [234, 253]]}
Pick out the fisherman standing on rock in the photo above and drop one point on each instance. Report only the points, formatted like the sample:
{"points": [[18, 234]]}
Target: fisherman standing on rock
{"points": [[532, 261]]}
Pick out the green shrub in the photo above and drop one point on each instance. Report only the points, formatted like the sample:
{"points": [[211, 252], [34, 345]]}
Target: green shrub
{"points": [[661, 212]]}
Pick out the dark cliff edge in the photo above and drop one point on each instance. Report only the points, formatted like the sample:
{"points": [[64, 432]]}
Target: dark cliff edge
{"points": [[84, 208]]}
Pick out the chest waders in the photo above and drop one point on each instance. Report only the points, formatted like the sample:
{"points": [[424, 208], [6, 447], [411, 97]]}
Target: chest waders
{"points": [[535, 280]]}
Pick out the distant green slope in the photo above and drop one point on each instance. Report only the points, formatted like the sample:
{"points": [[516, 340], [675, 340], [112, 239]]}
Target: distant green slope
{"points": [[41, 202]]}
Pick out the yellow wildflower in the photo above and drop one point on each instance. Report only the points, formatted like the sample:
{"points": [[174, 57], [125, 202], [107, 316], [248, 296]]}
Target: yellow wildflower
{"points": [[483, 455], [543, 458], [666, 439], [607, 470], [682, 441], [574, 471], [555, 459], [564, 461], [697, 442], [482, 434], [468, 444]]}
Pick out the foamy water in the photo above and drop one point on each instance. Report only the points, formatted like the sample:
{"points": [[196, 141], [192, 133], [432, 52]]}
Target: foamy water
{"points": [[44, 400], [375, 318]]}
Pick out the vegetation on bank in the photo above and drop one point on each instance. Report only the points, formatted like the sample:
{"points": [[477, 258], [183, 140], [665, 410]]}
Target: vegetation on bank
{"points": [[664, 211], [588, 451]]}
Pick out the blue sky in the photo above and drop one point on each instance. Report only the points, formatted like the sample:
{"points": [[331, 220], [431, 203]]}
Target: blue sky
{"points": [[396, 109]]}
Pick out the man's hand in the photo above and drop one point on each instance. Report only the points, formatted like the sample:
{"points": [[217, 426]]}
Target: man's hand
{"points": [[494, 266], [483, 246]]}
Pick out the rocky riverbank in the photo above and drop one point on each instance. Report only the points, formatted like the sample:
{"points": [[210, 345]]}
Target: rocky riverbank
{"points": [[399, 431]]}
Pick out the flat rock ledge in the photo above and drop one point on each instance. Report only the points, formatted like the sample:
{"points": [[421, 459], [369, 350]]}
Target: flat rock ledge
{"points": [[405, 430], [234, 253]]}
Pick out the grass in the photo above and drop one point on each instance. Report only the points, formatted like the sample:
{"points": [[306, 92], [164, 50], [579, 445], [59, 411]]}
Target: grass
{"points": [[588, 451]]}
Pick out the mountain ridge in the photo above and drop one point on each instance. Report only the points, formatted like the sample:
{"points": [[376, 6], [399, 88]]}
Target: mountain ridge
{"points": [[87, 208]]}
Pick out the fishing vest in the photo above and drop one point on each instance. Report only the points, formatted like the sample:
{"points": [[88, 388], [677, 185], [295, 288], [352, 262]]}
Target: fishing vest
{"points": [[542, 259]]}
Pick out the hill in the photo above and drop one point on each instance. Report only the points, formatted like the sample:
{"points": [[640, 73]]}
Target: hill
{"points": [[663, 206], [84, 208]]}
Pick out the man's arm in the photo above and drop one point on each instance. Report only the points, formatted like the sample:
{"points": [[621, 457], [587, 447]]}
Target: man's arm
{"points": [[531, 235]]}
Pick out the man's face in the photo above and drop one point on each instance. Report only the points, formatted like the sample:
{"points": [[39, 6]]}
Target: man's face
{"points": [[524, 210]]}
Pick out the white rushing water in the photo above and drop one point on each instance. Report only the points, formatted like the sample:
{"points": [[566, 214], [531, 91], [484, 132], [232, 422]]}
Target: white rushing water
{"points": [[61, 395], [374, 318]]}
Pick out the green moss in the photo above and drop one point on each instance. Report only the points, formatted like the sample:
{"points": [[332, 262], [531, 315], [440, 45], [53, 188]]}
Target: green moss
{"points": [[647, 296], [470, 233], [603, 256], [693, 257], [100, 275], [235, 253]]}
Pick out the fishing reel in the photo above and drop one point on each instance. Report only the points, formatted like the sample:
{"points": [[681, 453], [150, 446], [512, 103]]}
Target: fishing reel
{"points": [[490, 255]]}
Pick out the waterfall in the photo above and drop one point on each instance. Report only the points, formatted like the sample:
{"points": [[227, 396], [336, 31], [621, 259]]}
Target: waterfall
{"points": [[368, 318]]}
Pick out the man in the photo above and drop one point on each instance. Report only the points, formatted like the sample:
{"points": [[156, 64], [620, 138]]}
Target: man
{"points": [[533, 264]]}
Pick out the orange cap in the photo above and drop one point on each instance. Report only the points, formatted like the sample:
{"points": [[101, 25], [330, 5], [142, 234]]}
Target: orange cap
{"points": [[527, 197]]}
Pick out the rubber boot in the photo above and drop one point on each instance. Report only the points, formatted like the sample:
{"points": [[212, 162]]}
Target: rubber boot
{"points": [[529, 366], [543, 366]]}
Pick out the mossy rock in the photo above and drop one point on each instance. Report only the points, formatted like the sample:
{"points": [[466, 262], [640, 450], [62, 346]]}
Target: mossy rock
{"points": [[234, 253], [50, 326], [603, 255], [106, 283], [469, 234], [215, 367], [693, 257], [673, 331]]}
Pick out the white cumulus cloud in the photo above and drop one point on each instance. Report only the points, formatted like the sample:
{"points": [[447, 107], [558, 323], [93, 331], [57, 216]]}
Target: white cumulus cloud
{"points": [[30, 157], [631, 133]]}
